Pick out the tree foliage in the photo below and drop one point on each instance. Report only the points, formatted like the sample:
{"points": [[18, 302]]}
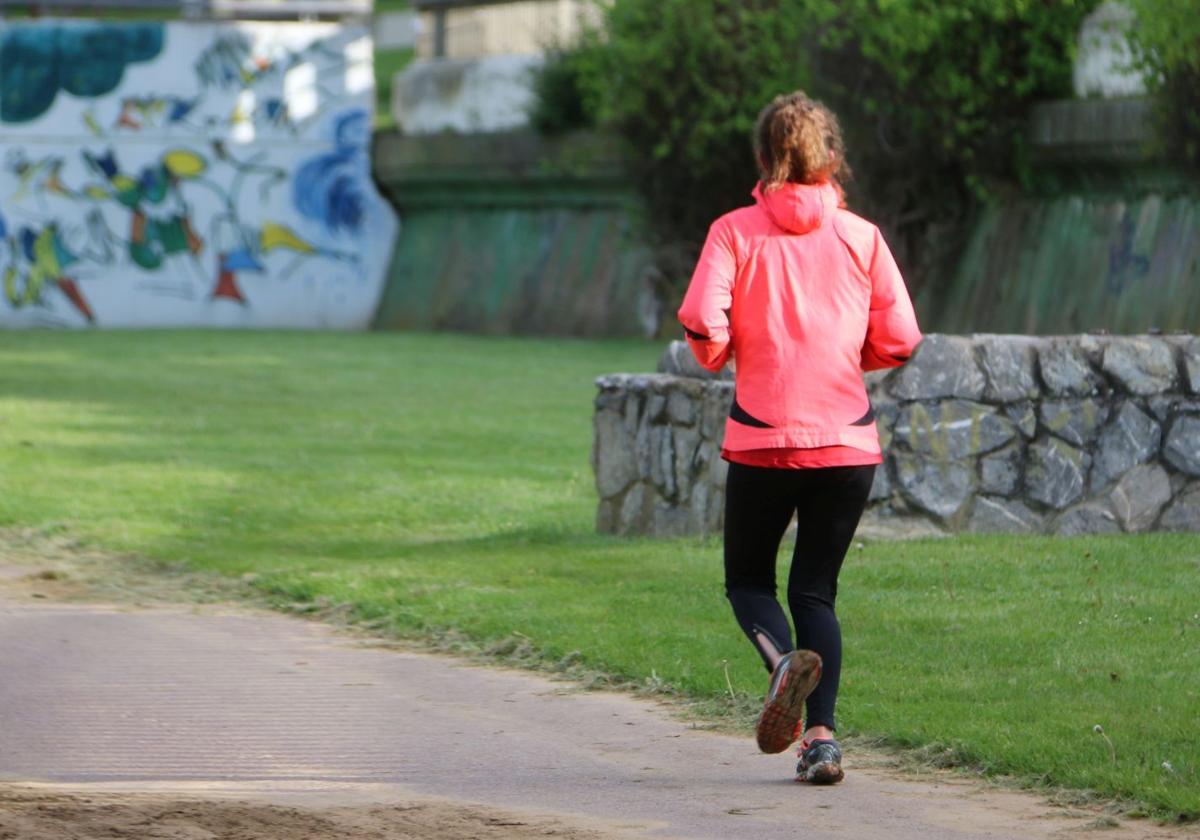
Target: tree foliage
{"points": [[932, 97], [1166, 44]]}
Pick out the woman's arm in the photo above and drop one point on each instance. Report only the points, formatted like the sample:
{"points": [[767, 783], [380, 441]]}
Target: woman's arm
{"points": [[705, 310], [892, 331]]}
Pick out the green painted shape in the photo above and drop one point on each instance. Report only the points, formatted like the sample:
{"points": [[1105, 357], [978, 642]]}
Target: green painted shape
{"points": [[1124, 262]]}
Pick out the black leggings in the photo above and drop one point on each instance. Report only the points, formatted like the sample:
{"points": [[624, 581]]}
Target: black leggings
{"points": [[759, 503]]}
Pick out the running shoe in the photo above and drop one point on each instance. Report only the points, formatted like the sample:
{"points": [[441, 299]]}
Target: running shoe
{"points": [[793, 680], [820, 763]]}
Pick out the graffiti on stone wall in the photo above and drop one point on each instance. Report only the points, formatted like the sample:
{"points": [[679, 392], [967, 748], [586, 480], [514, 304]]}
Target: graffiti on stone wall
{"points": [[188, 174]]}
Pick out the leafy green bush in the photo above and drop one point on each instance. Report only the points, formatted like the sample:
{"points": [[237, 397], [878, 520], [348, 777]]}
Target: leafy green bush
{"points": [[682, 82], [1166, 44], [932, 97], [558, 106]]}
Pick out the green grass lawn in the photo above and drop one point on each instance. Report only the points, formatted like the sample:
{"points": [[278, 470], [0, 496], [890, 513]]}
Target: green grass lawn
{"points": [[441, 483]]}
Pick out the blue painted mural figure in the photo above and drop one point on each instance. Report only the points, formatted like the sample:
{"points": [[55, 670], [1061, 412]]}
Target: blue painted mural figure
{"points": [[328, 188], [247, 157], [84, 59]]}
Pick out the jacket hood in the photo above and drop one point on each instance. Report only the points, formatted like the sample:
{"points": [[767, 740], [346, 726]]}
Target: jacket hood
{"points": [[798, 208]]}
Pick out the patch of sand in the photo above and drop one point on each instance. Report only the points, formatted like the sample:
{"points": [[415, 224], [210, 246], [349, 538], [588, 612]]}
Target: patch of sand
{"points": [[33, 813]]}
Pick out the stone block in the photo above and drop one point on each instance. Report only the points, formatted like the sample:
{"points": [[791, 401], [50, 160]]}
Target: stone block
{"points": [[612, 399], [633, 412], [662, 462], [1140, 365], [881, 486], [643, 452], [634, 517], [1092, 345], [686, 444], [952, 430], [942, 366], [681, 406], [1024, 416], [1167, 406], [718, 470], [1002, 516], [613, 454], [656, 408], [716, 510], [1184, 513], [1086, 519], [1065, 369], [1190, 352], [1182, 448], [718, 397], [1131, 438], [1007, 363], [937, 487], [886, 412], [1161, 406], [1140, 495], [698, 508], [1000, 472], [1055, 473], [669, 520], [1075, 421]]}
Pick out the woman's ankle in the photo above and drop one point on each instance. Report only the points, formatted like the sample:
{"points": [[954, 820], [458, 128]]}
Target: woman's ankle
{"points": [[818, 733]]}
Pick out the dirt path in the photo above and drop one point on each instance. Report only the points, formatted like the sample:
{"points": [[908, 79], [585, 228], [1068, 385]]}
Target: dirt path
{"points": [[188, 722]]}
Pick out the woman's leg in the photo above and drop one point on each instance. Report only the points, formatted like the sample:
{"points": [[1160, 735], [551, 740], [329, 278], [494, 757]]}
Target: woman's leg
{"points": [[829, 503], [758, 508]]}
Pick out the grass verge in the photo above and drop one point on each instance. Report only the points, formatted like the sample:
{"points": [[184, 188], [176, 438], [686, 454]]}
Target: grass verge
{"points": [[439, 487]]}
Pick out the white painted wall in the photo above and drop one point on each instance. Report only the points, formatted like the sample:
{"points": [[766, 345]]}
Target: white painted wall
{"points": [[1103, 64], [189, 174], [464, 95]]}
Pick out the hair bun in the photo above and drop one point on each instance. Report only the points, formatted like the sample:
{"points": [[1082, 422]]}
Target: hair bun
{"points": [[798, 140]]}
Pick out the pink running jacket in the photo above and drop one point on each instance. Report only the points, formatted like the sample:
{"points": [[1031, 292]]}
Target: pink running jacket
{"points": [[804, 296]]}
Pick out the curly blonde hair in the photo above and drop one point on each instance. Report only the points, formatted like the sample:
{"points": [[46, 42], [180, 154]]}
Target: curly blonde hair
{"points": [[798, 140]]}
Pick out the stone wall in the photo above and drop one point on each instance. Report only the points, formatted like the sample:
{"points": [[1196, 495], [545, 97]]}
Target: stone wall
{"points": [[1064, 435]]}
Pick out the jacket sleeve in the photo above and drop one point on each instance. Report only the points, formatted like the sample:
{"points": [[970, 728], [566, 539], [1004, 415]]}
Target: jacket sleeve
{"points": [[705, 310], [892, 331]]}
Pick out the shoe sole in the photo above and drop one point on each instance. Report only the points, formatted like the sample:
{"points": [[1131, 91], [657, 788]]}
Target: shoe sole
{"points": [[825, 773], [778, 724]]}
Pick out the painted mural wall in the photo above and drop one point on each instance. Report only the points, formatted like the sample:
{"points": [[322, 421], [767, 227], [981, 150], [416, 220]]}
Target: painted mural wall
{"points": [[188, 174]]}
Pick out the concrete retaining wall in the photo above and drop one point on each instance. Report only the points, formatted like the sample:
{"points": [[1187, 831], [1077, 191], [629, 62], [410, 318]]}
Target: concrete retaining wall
{"points": [[511, 233], [1063, 435]]}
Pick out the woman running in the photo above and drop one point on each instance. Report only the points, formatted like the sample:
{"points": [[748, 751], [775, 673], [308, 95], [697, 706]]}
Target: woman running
{"points": [[803, 296]]}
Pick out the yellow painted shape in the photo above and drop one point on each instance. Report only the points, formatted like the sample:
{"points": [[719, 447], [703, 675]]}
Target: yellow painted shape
{"points": [[45, 260], [275, 235], [184, 163]]}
